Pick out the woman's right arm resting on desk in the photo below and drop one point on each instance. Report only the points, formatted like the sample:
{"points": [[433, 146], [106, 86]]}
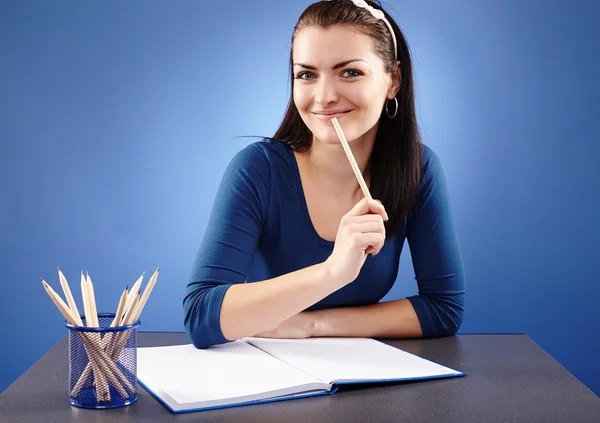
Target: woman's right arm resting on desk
{"points": [[218, 305]]}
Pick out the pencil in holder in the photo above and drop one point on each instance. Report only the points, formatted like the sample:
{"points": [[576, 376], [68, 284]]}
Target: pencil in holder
{"points": [[103, 364]]}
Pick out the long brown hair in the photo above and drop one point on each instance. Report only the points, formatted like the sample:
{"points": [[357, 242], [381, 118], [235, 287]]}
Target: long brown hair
{"points": [[395, 162]]}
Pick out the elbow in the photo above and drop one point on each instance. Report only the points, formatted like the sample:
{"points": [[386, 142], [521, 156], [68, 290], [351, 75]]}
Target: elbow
{"points": [[199, 338], [441, 314], [201, 319], [201, 343], [451, 314], [450, 328]]}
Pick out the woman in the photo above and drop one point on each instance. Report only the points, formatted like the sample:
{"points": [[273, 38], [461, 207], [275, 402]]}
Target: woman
{"points": [[294, 200]]}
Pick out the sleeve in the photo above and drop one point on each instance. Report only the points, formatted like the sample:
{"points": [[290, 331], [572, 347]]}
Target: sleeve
{"points": [[229, 244], [436, 255]]}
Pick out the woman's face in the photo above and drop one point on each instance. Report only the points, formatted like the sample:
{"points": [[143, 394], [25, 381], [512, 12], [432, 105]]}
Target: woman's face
{"points": [[337, 73]]}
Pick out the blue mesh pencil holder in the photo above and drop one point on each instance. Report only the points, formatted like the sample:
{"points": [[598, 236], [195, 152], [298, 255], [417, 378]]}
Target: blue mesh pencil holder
{"points": [[103, 364]]}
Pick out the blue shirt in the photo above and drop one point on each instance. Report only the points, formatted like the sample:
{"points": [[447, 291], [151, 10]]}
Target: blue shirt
{"points": [[260, 214]]}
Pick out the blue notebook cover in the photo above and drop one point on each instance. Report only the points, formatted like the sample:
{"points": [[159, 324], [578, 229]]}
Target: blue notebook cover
{"points": [[239, 404]]}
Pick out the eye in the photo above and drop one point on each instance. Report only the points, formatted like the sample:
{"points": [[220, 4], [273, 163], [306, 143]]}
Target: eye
{"points": [[351, 73], [305, 75]]}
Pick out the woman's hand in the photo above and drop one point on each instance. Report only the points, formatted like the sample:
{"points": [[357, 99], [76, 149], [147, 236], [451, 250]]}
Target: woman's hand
{"points": [[298, 326], [361, 232]]}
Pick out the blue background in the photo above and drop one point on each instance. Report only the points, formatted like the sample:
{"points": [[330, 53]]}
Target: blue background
{"points": [[117, 120]]}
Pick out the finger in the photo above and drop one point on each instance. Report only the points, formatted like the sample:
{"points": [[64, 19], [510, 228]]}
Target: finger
{"points": [[371, 239], [372, 228], [373, 250], [366, 206], [365, 224], [364, 219], [350, 221], [360, 208], [366, 227], [376, 207]]}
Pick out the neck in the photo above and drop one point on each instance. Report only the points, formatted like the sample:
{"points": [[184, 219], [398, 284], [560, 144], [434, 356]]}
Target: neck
{"points": [[330, 166]]}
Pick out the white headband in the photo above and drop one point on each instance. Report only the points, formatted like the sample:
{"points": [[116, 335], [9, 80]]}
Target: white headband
{"points": [[377, 14]]}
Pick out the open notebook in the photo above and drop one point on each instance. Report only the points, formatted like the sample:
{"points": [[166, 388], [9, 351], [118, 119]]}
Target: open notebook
{"points": [[256, 370]]}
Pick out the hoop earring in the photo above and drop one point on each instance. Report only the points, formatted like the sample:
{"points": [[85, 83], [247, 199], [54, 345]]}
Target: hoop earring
{"points": [[395, 111]]}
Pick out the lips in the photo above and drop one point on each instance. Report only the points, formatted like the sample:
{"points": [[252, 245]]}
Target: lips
{"points": [[331, 114]]}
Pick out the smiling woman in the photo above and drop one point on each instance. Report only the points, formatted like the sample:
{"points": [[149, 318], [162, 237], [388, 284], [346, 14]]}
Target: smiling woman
{"points": [[293, 198], [353, 90]]}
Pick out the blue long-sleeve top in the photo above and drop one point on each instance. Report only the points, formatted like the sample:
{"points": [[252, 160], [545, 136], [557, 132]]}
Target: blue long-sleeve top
{"points": [[260, 216]]}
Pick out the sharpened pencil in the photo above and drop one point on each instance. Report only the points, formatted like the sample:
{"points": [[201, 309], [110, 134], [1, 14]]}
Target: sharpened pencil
{"points": [[351, 159]]}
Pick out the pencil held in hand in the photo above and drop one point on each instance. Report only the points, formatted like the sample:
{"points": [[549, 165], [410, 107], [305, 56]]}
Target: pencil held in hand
{"points": [[357, 173]]}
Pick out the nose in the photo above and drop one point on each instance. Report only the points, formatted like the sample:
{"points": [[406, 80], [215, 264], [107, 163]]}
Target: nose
{"points": [[326, 92]]}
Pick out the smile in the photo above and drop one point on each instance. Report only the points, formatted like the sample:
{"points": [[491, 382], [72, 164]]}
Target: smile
{"points": [[330, 115]]}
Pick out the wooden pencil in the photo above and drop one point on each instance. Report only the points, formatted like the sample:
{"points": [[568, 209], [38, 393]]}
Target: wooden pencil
{"points": [[135, 289], [120, 309], [118, 342], [92, 301], [85, 301], [67, 291], [140, 306], [351, 159], [121, 337], [91, 319], [134, 316]]}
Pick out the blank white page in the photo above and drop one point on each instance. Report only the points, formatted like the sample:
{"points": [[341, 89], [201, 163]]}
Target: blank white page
{"points": [[351, 359], [223, 374]]}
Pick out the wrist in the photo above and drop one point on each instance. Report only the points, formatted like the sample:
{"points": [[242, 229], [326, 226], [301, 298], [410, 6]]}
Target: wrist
{"points": [[312, 324], [333, 274]]}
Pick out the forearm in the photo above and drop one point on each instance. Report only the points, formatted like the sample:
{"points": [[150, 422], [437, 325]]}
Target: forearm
{"points": [[248, 309], [391, 319]]}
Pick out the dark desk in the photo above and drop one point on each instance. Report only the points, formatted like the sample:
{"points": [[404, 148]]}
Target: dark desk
{"points": [[511, 379]]}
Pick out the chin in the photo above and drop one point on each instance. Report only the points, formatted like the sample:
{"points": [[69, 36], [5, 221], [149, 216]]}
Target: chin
{"points": [[325, 132], [329, 136]]}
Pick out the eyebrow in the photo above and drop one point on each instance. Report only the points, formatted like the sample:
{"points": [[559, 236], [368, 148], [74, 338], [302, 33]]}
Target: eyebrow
{"points": [[339, 65]]}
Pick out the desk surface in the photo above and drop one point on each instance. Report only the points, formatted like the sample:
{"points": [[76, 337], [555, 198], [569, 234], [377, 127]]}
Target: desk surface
{"points": [[510, 379]]}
